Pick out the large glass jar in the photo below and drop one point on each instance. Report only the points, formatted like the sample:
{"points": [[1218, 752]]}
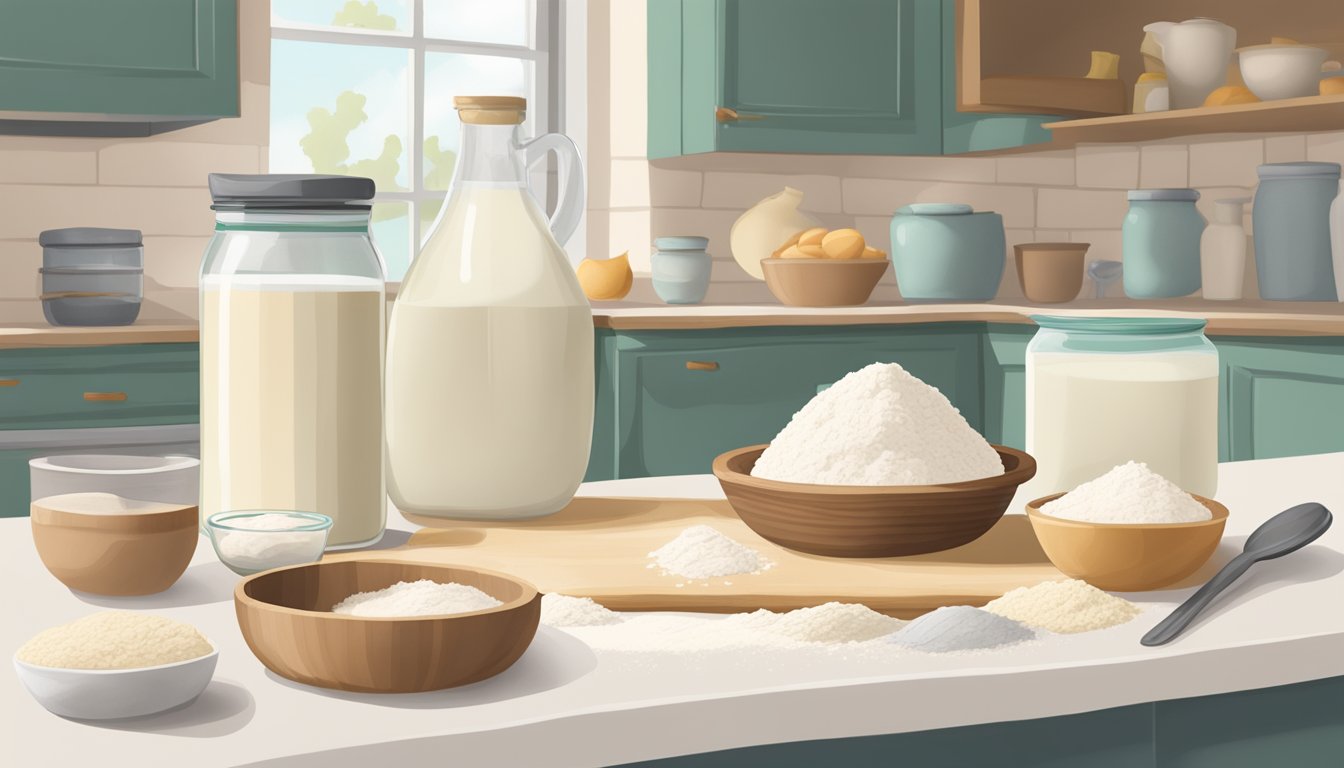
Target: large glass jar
{"points": [[1102, 391], [490, 380], [292, 316]]}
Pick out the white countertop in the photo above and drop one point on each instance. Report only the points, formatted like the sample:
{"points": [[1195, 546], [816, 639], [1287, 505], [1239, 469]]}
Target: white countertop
{"points": [[563, 704]]}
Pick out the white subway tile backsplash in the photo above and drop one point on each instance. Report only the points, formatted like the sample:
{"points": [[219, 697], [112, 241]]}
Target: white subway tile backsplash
{"points": [[1056, 168], [879, 197], [679, 189], [172, 164], [1164, 166], [630, 232], [713, 224], [1052, 236], [629, 184], [29, 209], [1069, 208], [19, 262], [1109, 167], [1105, 244], [1326, 147], [174, 262], [876, 231], [743, 190], [1285, 149], [1226, 163]]}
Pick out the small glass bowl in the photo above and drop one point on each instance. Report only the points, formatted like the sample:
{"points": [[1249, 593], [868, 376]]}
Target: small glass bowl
{"points": [[247, 550]]}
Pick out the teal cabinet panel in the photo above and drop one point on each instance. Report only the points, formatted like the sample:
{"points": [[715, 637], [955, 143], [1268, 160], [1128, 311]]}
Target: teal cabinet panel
{"points": [[602, 455], [845, 76], [1284, 397], [161, 383], [673, 419], [1005, 384], [153, 58]]}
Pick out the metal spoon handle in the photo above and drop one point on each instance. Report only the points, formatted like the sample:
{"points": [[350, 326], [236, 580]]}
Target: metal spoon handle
{"points": [[1167, 629]]}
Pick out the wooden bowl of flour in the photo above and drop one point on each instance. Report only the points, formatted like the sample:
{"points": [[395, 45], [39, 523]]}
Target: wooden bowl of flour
{"points": [[285, 616], [866, 520]]}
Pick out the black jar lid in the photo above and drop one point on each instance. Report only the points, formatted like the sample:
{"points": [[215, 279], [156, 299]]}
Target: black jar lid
{"points": [[291, 191], [77, 237]]}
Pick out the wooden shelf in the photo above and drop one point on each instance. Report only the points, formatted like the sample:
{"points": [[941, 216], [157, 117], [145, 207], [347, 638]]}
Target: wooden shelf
{"points": [[1304, 115], [1051, 95]]}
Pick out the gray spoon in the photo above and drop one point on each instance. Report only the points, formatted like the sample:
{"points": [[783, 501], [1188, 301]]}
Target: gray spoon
{"points": [[1288, 531]]}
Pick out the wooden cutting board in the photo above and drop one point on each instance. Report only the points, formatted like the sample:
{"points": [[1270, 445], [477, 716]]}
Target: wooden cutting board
{"points": [[599, 548]]}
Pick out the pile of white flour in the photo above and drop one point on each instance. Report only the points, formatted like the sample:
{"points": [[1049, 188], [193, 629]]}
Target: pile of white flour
{"points": [[1130, 493], [567, 611], [700, 552], [878, 426], [1064, 607], [961, 628], [416, 598]]}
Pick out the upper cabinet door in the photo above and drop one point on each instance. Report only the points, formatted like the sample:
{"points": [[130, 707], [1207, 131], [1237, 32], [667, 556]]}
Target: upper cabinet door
{"points": [[817, 76], [141, 60]]}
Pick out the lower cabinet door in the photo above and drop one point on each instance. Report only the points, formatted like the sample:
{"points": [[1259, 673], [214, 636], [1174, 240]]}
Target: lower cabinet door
{"points": [[1282, 397], [681, 401]]}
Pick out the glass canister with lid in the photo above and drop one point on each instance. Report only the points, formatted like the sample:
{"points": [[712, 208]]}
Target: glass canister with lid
{"points": [[1102, 391], [292, 309]]}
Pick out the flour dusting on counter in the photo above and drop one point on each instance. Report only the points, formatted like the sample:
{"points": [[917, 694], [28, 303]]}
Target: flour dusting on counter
{"points": [[1064, 606], [567, 611], [700, 552], [961, 628]]}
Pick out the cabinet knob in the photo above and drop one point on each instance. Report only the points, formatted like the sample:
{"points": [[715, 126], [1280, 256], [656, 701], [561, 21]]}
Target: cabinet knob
{"points": [[730, 115], [701, 365], [9, 382], [107, 397]]}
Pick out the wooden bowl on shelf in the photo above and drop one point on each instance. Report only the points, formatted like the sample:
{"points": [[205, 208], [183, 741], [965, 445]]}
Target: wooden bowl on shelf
{"points": [[823, 282], [1127, 557], [103, 544], [869, 521], [285, 616]]}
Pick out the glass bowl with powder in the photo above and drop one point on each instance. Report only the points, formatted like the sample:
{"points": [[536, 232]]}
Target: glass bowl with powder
{"points": [[252, 541]]}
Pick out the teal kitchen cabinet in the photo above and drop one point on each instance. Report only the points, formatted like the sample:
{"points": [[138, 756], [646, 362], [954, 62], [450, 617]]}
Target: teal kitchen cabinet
{"points": [[1004, 348], [148, 60], [681, 398], [1281, 396], [832, 76], [846, 76], [139, 398]]}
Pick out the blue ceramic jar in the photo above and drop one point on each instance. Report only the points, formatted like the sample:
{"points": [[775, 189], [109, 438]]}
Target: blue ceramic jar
{"points": [[1160, 243], [680, 269], [1291, 219], [946, 252]]}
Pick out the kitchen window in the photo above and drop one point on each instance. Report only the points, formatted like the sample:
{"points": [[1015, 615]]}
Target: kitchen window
{"points": [[366, 87]]}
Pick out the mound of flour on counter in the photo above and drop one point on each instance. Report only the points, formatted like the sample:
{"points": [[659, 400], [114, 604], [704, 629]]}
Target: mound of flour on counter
{"points": [[1064, 606], [878, 426], [700, 552], [961, 628], [567, 611], [828, 623], [1130, 493]]}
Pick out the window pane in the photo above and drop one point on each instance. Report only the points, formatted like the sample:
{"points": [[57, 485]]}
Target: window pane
{"points": [[354, 15], [340, 109], [457, 74], [507, 22], [391, 230]]}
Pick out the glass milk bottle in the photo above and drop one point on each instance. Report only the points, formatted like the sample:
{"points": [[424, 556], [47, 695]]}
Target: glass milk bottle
{"points": [[292, 319], [490, 347], [1102, 391]]}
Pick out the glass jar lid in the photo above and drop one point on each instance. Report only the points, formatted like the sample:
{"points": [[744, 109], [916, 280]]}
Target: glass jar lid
{"points": [[1133, 326], [289, 191], [1183, 195]]}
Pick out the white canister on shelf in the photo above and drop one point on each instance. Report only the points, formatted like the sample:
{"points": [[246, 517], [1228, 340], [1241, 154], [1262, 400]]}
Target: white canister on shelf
{"points": [[1337, 240], [1222, 251]]}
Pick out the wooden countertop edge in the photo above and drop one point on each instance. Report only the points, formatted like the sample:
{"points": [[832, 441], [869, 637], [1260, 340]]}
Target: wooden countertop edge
{"points": [[28, 337]]}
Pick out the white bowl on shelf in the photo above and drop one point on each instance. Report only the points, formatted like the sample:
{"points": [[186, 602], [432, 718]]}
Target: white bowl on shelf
{"points": [[1278, 71], [109, 694]]}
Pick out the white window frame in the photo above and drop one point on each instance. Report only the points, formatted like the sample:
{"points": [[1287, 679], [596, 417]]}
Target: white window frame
{"points": [[546, 104]]}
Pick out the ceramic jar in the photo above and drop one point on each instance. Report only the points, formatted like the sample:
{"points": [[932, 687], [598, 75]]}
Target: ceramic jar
{"points": [[1291, 220], [1160, 243], [680, 269], [947, 252], [1337, 240]]}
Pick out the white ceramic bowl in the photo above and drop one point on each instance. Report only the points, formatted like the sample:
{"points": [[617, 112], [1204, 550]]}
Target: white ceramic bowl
{"points": [[107, 694], [248, 550], [1281, 71], [169, 479]]}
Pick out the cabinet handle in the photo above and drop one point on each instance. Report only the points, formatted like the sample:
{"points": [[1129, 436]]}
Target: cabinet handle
{"points": [[117, 397], [701, 365], [730, 115], [9, 382]]}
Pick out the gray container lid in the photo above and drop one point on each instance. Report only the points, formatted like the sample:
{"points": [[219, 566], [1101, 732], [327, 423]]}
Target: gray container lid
{"points": [[1304, 170], [238, 191], [1186, 195], [89, 236]]}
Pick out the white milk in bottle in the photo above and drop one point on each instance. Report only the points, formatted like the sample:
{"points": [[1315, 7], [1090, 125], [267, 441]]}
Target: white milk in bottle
{"points": [[490, 347]]}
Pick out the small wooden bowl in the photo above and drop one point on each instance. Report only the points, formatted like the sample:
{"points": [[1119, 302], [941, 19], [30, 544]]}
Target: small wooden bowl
{"points": [[140, 552], [1050, 273], [1124, 557], [823, 282], [285, 616], [869, 521]]}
